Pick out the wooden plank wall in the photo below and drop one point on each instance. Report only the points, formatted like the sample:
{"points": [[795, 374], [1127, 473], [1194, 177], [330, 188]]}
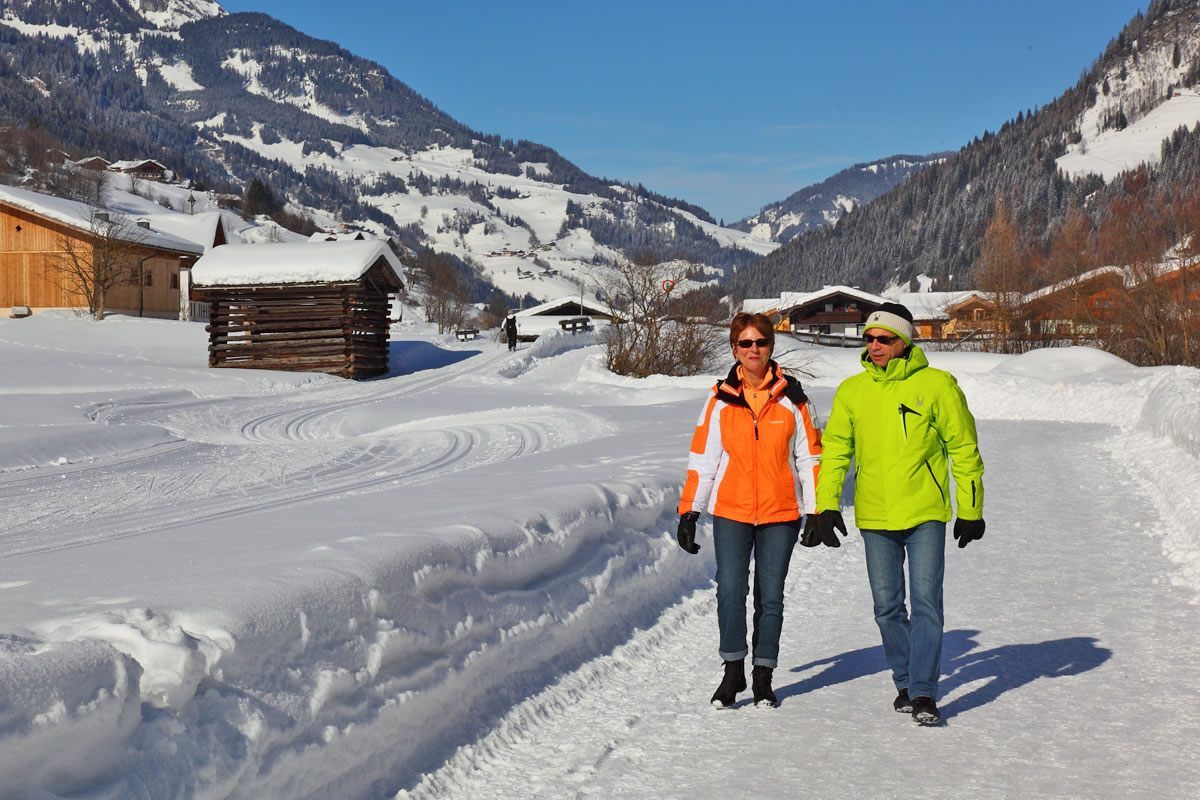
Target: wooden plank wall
{"points": [[27, 247], [28, 275], [336, 329]]}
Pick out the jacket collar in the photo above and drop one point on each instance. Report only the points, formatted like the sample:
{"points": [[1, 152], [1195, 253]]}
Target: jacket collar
{"points": [[732, 389], [898, 368]]}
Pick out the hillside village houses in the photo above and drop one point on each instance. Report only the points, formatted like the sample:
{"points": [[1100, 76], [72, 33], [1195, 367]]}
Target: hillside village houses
{"points": [[835, 313], [1080, 309]]}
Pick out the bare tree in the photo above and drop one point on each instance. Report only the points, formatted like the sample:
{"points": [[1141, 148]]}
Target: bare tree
{"points": [[1002, 270], [654, 334], [104, 257], [75, 183], [447, 296], [1132, 235]]}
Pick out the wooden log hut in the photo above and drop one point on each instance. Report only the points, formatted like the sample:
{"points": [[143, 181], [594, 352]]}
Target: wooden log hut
{"points": [[303, 307]]}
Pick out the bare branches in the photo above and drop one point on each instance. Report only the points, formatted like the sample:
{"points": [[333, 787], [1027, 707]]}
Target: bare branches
{"points": [[447, 296], [657, 335], [1130, 284], [94, 263]]}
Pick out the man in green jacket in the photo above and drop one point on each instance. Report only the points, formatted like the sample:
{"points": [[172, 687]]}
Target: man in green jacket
{"points": [[904, 423]]}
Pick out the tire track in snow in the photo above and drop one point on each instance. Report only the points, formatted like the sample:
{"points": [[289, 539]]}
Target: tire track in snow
{"points": [[418, 454]]}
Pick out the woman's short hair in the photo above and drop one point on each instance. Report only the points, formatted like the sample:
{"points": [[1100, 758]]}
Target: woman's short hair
{"points": [[742, 321]]}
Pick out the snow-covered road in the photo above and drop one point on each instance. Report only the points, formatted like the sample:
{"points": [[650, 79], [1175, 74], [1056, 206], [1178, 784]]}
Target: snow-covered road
{"points": [[1069, 669], [461, 581]]}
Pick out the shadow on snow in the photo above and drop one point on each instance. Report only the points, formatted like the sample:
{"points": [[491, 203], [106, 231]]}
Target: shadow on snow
{"points": [[1004, 668], [406, 358]]}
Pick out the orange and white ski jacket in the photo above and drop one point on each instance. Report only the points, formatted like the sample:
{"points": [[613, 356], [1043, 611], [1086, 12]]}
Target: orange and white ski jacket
{"points": [[755, 469]]}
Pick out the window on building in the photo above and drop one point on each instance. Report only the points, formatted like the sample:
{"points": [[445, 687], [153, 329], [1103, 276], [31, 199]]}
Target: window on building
{"points": [[174, 280], [148, 277]]}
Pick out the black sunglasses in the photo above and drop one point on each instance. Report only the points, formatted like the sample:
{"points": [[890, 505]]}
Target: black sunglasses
{"points": [[746, 344], [883, 339]]}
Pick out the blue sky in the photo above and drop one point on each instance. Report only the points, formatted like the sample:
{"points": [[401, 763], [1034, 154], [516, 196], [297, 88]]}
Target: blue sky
{"points": [[730, 106]]}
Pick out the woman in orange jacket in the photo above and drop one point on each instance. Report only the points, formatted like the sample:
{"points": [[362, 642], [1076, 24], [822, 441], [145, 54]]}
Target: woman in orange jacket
{"points": [[753, 465]]}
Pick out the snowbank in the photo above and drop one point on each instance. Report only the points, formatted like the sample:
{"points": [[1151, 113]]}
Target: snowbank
{"points": [[390, 666]]}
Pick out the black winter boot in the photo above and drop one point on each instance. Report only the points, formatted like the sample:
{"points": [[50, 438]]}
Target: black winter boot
{"points": [[902, 703], [733, 682], [760, 681], [925, 711]]}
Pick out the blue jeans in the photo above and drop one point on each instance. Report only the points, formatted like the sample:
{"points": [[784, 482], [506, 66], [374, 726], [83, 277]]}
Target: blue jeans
{"points": [[772, 548], [912, 643]]}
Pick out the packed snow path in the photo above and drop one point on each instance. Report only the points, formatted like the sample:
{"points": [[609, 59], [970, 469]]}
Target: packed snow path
{"points": [[461, 581], [1069, 669]]}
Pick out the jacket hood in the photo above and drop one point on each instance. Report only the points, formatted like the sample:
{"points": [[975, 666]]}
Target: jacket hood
{"points": [[898, 368]]}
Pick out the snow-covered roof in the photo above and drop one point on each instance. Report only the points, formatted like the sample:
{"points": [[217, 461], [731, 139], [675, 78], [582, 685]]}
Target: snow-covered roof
{"points": [[294, 262], [758, 305], [79, 215], [589, 307], [931, 305], [789, 300], [125, 166], [348, 236], [199, 228]]}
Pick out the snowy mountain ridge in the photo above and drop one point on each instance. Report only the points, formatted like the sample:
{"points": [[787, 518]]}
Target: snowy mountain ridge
{"points": [[1130, 106], [225, 98], [1139, 98], [823, 204], [173, 14]]}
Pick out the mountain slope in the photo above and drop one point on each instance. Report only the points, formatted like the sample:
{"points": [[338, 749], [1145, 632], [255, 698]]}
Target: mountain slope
{"points": [[932, 224], [227, 97], [824, 203]]}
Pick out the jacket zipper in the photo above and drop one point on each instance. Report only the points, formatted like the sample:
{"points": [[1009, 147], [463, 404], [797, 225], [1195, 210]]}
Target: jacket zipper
{"points": [[754, 466]]}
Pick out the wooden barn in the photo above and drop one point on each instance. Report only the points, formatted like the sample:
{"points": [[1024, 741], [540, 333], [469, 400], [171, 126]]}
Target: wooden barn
{"points": [[37, 231], [303, 307]]}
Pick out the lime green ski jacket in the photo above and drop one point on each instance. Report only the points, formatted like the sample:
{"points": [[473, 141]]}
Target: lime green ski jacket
{"points": [[903, 425]]}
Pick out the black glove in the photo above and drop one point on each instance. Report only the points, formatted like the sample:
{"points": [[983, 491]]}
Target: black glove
{"points": [[810, 538], [827, 522], [967, 530], [686, 535]]}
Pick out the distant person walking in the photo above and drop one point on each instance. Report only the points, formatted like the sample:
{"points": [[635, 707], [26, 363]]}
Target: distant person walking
{"points": [[753, 465], [904, 423], [510, 331]]}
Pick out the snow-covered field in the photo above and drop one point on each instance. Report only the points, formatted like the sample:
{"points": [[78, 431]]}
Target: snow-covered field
{"points": [[1111, 152], [461, 581]]}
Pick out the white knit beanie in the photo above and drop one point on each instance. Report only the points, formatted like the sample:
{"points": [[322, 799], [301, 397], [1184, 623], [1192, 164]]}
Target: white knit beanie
{"points": [[892, 317]]}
